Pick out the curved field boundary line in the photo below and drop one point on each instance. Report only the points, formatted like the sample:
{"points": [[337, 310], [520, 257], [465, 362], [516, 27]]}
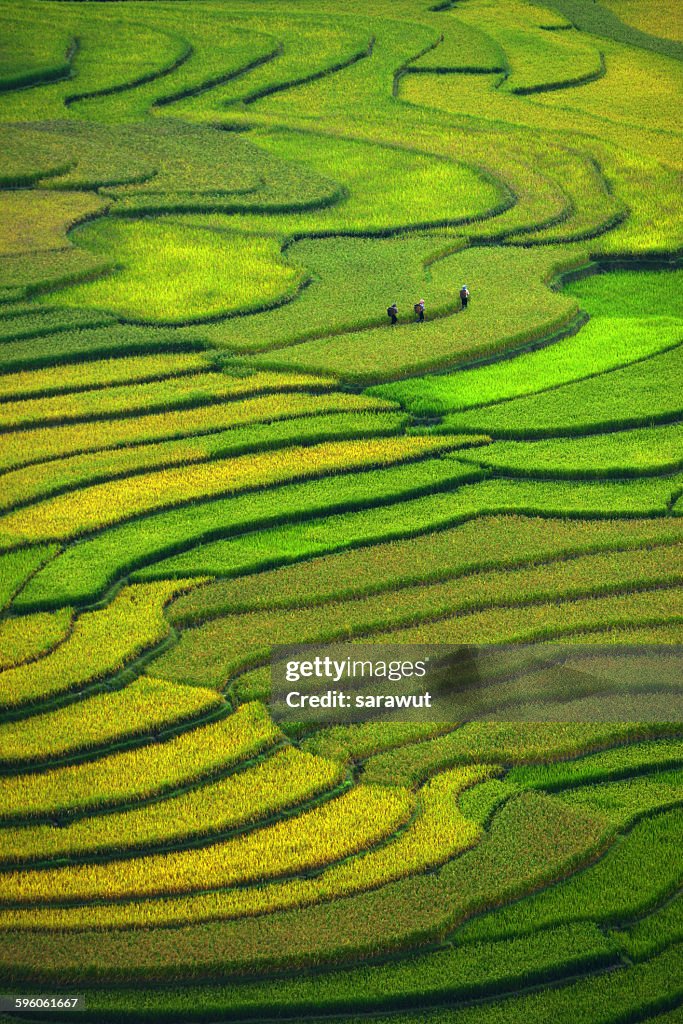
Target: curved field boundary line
{"points": [[152, 76], [526, 235], [607, 775], [276, 87], [432, 932], [30, 79], [509, 564], [32, 659], [588, 750], [264, 521], [568, 83], [522, 999], [395, 534], [267, 417], [108, 349], [112, 680], [573, 328], [583, 319], [30, 291], [450, 310], [249, 448], [248, 662], [425, 868], [629, 922], [405, 67], [305, 873], [671, 261], [299, 475], [194, 781], [542, 633], [212, 83], [124, 741], [613, 426], [290, 295], [587, 235], [316, 386], [51, 552], [149, 377], [194, 841], [621, 473], [507, 202], [599, 855]]}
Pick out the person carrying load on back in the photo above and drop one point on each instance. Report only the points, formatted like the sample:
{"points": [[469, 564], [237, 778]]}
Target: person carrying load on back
{"points": [[419, 308], [392, 313], [464, 296]]}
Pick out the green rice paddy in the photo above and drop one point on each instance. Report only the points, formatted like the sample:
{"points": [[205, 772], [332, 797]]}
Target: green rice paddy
{"points": [[212, 441]]}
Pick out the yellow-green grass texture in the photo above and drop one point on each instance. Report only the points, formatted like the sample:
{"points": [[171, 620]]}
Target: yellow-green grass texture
{"points": [[216, 54], [310, 45], [233, 642], [103, 504], [639, 87], [601, 345], [171, 273], [99, 644], [156, 167], [334, 830], [280, 782], [640, 15], [225, 457], [99, 373], [407, 518], [619, 762], [635, 874], [39, 480], [28, 637], [549, 840], [559, 619], [644, 985], [640, 394], [639, 233], [33, 221], [127, 399], [114, 52], [31, 446], [142, 772], [387, 188], [85, 570], [623, 453], [519, 307], [143, 708], [369, 267], [18, 566], [492, 542], [512, 743], [438, 832], [444, 974], [28, 58]]}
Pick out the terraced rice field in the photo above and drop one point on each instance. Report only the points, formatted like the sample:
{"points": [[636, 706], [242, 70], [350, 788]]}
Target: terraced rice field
{"points": [[212, 442]]}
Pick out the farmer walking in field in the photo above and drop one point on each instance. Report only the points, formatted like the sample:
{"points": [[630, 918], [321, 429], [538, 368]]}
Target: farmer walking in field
{"points": [[392, 313], [464, 296], [419, 308]]}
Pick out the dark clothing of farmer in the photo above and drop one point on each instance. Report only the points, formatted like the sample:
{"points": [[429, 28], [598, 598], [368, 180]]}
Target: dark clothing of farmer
{"points": [[392, 313], [464, 296], [419, 308]]}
